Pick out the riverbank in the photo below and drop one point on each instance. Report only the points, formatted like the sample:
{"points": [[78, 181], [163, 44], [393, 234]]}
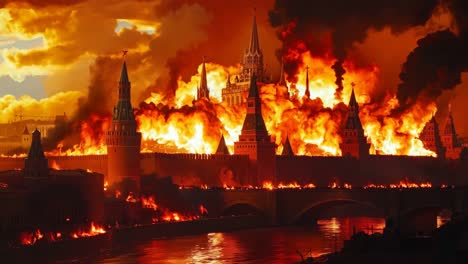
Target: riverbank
{"points": [[43, 252], [448, 244]]}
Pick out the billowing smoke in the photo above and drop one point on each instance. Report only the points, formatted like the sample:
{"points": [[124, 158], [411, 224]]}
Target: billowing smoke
{"points": [[342, 23], [437, 62], [434, 66]]}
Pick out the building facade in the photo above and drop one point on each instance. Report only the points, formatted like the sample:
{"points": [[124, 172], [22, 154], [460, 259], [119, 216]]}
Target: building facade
{"points": [[252, 64]]}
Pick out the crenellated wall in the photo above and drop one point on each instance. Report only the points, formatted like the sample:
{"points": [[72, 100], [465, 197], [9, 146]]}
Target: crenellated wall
{"points": [[215, 169], [198, 169], [377, 169]]}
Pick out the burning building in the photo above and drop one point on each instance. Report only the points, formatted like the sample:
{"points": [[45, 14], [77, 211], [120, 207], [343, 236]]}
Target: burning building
{"points": [[252, 64], [239, 136]]}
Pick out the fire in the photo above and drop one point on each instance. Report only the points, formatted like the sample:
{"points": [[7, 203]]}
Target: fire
{"points": [[94, 230], [268, 185], [54, 165], [131, 198], [106, 185], [335, 185], [374, 186], [31, 238], [203, 210], [149, 203], [92, 139], [403, 184], [313, 125], [292, 185]]}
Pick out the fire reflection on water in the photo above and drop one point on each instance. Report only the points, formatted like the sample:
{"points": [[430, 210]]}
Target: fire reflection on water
{"points": [[211, 253]]}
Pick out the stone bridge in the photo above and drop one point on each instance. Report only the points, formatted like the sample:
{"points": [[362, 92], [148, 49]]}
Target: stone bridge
{"points": [[413, 210]]}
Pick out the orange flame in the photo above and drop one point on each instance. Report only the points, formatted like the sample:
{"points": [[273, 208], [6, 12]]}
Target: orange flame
{"points": [[94, 230]]}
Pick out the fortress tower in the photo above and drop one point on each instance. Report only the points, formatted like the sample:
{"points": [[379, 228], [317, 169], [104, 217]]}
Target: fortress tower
{"points": [[36, 165], [202, 90], [431, 138], [450, 139], [252, 64], [354, 143], [123, 141], [254, 140]]}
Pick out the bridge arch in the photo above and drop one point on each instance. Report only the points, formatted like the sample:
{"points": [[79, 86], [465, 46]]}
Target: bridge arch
{"points": [[313, 210], [242, 208]]}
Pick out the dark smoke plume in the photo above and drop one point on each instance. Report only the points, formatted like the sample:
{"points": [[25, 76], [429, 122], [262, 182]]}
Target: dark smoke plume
{"points": [[346, 21], [437, 62], [435, 65], [95, 110]]}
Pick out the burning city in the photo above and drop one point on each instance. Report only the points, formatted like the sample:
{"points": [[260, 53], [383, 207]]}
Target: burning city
{"points": [[207, 124]]}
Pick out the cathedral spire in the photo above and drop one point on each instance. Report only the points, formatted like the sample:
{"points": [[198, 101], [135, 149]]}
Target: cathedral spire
{"points": [[203, 91], [307, 91], [222, 147], [254, 46], [287, 149]]}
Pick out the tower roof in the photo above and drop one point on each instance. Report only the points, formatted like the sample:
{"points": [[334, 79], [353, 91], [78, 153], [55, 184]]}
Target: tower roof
{"points": [[222, 147], [352, 100], [123, 74], [254, 46], [254, 119], [203, 91], [123, 109], [26, 131], [287, 149], [353, 121], [36, 147]]}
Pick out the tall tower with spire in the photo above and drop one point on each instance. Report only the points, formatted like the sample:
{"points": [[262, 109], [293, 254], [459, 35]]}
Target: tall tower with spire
{"points": [[202, 90], [255, 141], [450, 140], [123, 141], [307, 91], [253, 57], [252, 64], [431, 138], [36, 165], [354, 143]]}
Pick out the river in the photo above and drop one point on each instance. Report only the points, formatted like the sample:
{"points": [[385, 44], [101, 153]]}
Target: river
{"points": [[267, 245]]}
